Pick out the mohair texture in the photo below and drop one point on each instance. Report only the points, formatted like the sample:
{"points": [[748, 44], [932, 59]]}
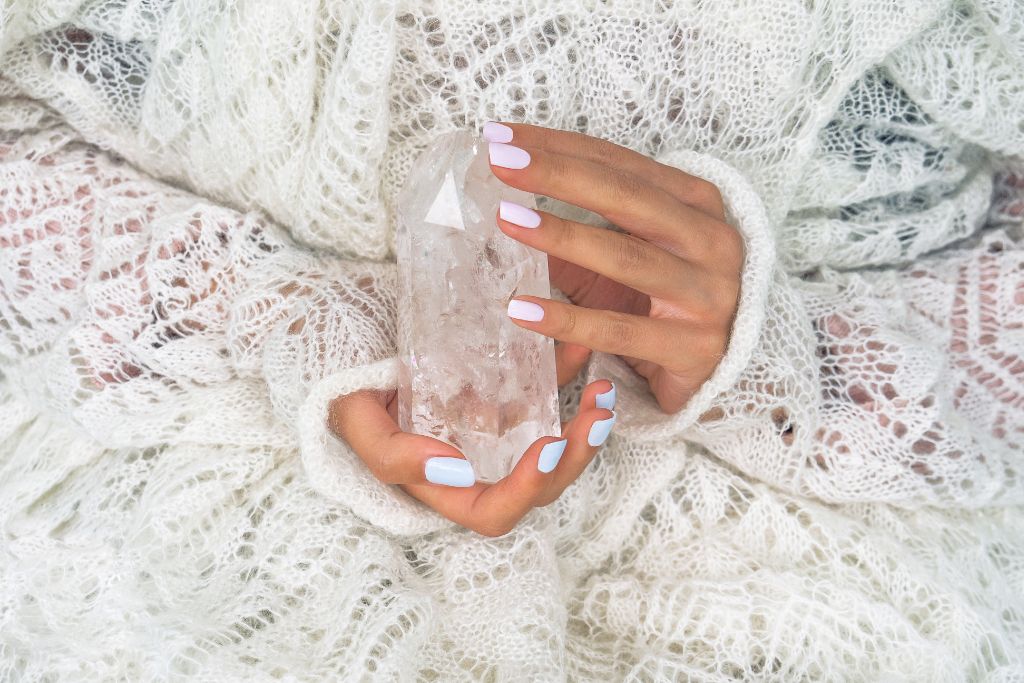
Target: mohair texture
{"points": [[197, 206]]}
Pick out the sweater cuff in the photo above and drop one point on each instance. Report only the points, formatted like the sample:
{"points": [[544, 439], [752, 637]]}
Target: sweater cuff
{"points": [[640, 417], [336, 472]]}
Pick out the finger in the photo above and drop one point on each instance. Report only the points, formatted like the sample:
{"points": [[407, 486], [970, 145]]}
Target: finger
{"points": [[586, 433], [578, 283], [569, 360], [689, 189], [493, 510], [624, 199], [394, 456], [609, 331], [512, 497], [624, 258]]}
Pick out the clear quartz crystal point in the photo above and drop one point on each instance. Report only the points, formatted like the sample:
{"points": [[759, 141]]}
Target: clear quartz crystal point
{"points": [[469, 375]]}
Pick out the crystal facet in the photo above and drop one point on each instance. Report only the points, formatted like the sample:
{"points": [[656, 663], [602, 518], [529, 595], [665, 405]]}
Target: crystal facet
{"points": [[470, 376]]}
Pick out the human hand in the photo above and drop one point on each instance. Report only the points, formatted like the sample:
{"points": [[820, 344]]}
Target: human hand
{"points": [[437, 473], [663, 294]]}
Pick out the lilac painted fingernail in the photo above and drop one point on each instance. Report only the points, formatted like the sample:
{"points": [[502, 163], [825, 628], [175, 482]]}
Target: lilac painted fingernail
{"points": [[508, 156], [607, 399], [550, 455], [522, 216], [497, 132], [525, 310]]}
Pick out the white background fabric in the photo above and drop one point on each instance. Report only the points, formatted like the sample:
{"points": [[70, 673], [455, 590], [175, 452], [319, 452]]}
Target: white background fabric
{"points": [[196, 210]]}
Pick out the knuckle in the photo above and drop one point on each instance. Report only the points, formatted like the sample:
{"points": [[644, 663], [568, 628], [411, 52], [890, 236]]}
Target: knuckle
{"points": [[603, 152], [620, 333], [702, 247], [712, 342], [701, 307], [569, 321], [627, 190], [716, 305], [386, 468], [731, 244], [727, 302], [565, 235], [343, 411], [557, 171], [714, 247], [543, 138], [706, 194], [632, 256]]}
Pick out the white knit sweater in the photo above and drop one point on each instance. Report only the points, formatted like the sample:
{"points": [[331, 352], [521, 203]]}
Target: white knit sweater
{"points": [[196, 220]]}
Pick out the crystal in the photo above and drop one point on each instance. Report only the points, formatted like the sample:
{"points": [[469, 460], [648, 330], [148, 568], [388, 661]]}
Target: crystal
{"points": [[469, 375]]}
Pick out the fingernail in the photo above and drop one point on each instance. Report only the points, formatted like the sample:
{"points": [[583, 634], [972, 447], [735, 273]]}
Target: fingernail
{"points": [[450, 472], [600, 430], [497, 132], [508, 156], [550, 455], [607, 399], [525, 310], [517, 213]]}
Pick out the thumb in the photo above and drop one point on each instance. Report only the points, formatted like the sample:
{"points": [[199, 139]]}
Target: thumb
{"points": [[362, 420]]}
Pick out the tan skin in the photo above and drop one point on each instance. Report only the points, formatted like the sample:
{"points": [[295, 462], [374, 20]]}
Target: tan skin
{"points": [[662, 295]]}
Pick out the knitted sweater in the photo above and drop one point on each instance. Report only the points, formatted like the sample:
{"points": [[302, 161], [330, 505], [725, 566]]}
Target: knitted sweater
{"points": [[197, 205]]}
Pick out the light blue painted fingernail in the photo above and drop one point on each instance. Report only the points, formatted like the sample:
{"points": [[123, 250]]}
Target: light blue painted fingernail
{"points": [[607, 399], [450, 472], [550, 455], [600, 430]]}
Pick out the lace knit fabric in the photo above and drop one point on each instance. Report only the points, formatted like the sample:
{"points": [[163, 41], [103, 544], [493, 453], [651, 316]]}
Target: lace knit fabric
{"points": [[196, 221]]}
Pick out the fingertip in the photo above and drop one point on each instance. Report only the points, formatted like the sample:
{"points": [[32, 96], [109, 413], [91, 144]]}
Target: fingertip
{"points": [[529, 475], [534, 451], [449, 471], [360, 419], [519, 215], [579, 451], [606, 399], [495, 131], [595, 414], [600, 393], [593, 425], [520, 309], [601, 428], [551, 454]]}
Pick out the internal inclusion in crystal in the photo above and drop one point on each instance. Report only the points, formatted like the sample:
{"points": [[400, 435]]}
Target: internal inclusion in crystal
{"points": [[470, 376]]}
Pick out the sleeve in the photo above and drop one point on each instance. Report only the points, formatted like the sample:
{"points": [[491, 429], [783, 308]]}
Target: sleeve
{"points": [[173, 88], [876, 354], [141, 314], [903, 386]]}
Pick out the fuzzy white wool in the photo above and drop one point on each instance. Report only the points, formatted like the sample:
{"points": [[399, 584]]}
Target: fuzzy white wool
{"points": [[842, 499]]}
